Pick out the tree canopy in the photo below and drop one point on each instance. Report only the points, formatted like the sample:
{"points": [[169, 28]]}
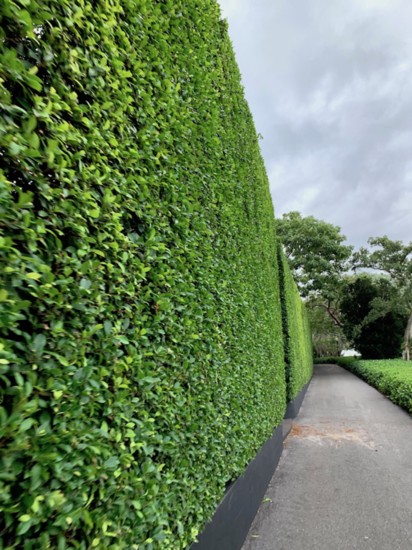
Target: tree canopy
{"points": [[318, 259], [315, 251], [323, 266], [388, 256]]}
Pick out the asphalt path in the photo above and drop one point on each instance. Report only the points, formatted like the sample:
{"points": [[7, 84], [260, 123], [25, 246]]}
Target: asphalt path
{"points": [[344, 480]]}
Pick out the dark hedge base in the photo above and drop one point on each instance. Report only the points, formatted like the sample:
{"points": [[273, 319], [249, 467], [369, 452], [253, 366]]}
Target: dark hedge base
{"points": [[232, 519], [231, 522], [293, 407]]}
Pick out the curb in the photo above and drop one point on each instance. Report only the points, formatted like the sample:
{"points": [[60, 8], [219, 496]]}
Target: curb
{"points": [[292, 410]]}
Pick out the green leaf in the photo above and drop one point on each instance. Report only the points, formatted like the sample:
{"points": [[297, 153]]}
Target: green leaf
{"points": [[34, 141], [94, 213], [39, 341], [33, 275], [85, 283], [111, 463], [34, 82], [23, 16], [24, 527], [30, 124], [24, 426]]}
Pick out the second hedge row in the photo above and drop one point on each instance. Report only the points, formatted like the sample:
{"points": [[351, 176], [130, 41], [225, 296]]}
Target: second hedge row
{"points": [[296, 332]]}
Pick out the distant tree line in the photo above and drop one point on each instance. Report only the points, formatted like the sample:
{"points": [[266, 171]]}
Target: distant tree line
{"points": [[362, 298]]}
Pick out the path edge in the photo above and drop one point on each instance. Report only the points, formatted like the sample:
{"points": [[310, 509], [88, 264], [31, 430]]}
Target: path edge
{"points": [[230, 524]]}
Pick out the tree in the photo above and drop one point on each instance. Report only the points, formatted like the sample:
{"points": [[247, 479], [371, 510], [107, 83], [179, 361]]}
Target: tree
{"points": [[395, 259], [317, 257], [315, 252], [375, 331], [327, 336]]}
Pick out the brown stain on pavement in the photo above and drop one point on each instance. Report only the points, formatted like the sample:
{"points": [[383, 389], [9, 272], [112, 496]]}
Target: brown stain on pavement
{"points": [[330, 434]]}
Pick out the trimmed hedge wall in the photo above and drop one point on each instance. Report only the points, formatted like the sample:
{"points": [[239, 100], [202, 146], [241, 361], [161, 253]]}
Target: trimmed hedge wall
{"points": [[296, 332], [141, 364]]}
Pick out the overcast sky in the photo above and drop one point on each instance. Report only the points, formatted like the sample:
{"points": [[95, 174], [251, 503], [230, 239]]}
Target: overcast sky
{"points": [[329, 83]]}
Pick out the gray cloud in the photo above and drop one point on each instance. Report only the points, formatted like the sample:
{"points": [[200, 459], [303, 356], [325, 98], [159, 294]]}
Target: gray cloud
{"points": [[330, 89]]}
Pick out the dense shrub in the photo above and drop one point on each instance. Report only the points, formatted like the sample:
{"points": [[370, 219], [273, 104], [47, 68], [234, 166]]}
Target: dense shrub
{"points": [[296, 332], [392, 377], [142, 357]]}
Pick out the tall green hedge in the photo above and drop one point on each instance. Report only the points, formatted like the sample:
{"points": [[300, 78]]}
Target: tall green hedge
{"points": [[141, 361], [296, 332]]}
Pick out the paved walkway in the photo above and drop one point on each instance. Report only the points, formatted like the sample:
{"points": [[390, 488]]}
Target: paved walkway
{"points": [[345, 477]]}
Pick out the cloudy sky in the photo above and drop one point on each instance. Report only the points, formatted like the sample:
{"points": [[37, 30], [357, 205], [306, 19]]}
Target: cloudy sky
{"points": [[329, 83]]}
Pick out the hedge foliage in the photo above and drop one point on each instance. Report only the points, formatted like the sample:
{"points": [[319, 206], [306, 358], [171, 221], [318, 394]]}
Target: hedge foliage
{"points": [[392, 377], [141, 364], [296, 332]]}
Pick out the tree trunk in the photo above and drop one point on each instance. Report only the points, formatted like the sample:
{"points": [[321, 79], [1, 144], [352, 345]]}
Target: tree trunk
{"points": [[407, 339]]}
